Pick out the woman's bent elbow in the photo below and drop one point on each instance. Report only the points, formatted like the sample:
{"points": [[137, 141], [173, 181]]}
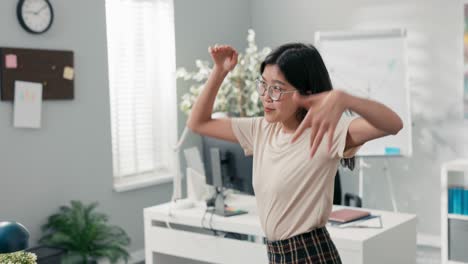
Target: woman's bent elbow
{"points": [[192, 126], [398, 128], [195, 126]]}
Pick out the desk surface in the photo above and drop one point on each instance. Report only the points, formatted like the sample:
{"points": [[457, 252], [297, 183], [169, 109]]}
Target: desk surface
{"points": [[250, 224]]}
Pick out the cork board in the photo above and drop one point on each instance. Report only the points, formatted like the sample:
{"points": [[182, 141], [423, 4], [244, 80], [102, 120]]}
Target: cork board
{"points": [[52, 68]]}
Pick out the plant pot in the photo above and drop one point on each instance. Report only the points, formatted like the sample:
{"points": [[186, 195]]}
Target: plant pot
{"points": [[76, 259], [47, 255]]}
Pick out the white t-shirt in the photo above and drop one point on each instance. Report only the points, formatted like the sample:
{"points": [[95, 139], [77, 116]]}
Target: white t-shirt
{"points": [[294, 193]]}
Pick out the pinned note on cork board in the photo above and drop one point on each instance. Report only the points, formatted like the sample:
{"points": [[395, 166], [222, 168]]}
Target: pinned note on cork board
{"points": [[54, 69]]}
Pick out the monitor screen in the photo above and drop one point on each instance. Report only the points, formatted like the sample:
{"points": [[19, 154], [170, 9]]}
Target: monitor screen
{"points": [[236, 168]]}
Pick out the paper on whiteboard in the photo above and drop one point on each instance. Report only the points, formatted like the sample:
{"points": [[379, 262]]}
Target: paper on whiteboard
{"points": [[27, 104]]}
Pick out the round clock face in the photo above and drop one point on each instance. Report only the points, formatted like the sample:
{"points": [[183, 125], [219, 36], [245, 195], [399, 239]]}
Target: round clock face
{"points": [[35, 16]]}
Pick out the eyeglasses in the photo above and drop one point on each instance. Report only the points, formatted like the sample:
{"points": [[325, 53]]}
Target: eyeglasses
{"points": [[274, 92]]}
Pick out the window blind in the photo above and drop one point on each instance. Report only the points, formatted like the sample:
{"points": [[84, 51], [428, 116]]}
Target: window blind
{"points": [[141, 56]]}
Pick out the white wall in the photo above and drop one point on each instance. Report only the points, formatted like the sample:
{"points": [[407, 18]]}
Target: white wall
{"points": [[435, 69]]}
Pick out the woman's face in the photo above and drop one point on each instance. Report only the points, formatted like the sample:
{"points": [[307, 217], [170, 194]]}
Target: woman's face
{"points": [[284, 109]]}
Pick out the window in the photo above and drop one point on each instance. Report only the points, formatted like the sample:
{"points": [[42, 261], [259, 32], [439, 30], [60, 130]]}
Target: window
{"points": [[141, 56]]}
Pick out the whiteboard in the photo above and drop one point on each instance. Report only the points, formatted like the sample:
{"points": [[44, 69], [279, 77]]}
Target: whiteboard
{"points": [[372, 64]]}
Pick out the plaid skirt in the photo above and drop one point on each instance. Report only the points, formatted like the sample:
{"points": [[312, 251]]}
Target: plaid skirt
{"points": [[313, 247]]}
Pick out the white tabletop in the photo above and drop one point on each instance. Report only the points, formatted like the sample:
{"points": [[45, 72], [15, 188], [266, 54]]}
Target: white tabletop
{"points": [[250, 224]]}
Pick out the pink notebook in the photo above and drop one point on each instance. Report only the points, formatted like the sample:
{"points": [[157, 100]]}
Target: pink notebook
{"points": [[347, 215]]}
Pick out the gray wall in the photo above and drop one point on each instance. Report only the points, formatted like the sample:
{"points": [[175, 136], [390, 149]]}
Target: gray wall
{"points": [[435, 69], [70, 156]]}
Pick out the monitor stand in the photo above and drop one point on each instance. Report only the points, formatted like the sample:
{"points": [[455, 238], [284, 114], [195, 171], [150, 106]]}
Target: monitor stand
{"points": [[220, 208]]}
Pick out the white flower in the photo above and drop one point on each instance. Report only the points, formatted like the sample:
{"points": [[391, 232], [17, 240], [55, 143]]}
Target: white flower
{"points": [[251, 35], [181, 72], [254, 97]]}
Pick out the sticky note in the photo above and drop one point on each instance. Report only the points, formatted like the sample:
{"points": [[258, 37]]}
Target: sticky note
{"points": [[11, 62], [392, 151], [27, 104], [68, 73]]}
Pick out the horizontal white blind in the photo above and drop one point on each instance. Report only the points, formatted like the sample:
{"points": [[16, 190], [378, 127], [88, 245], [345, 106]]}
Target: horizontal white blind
{"points": [[141, 55]]}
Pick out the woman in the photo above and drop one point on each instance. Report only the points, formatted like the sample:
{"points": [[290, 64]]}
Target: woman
{"points": [[296, 145]]}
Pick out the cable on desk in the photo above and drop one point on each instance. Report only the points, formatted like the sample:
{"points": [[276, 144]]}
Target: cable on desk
{"points": [[169, 214], [203, 217], [211, 217], [211, 226]]}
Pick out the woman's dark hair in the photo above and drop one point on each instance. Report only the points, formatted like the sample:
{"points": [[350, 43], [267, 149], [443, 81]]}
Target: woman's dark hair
{"points": [[303, 67]]}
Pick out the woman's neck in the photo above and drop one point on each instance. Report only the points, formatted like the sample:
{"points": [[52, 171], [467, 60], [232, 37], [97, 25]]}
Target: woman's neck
{"points": [[290, 126]]}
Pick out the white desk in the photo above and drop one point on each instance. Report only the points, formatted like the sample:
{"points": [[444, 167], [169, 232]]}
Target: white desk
{"points": [[394, 243]]}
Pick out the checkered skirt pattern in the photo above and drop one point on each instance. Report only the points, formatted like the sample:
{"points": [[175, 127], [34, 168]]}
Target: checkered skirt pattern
{"points": [[315, 247]]}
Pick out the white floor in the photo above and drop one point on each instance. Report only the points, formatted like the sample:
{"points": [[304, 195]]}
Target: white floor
{"points": [[425, 255]]}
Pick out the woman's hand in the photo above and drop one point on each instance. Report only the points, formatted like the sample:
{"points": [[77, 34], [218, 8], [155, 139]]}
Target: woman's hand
{"points": [[224, 57], [325, 110]]}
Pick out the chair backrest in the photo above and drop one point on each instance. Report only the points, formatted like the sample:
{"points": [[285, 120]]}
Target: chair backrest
{"points": [[352, 197], [337, 192], [348, 197]]}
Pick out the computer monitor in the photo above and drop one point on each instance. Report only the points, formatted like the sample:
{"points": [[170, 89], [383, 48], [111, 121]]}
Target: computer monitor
{"points": [[220, 208], [236, 168]]}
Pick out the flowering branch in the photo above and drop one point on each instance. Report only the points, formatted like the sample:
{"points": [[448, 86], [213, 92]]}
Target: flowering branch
{"points": [[237, 95]]}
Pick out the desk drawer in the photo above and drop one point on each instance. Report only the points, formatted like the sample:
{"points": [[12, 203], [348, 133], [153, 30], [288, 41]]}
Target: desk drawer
{"points": [[204, 247]]}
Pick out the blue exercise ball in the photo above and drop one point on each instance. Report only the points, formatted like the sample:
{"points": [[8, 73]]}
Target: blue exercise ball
{"points": [[13, 237]]}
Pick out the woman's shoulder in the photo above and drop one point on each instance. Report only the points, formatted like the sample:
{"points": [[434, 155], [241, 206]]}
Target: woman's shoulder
{"points": [[256, 122], [263, 123]]}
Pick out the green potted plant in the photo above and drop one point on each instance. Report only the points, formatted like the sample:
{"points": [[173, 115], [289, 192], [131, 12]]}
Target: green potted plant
{"points": [[237, 95], [20, 257], [85, 234]]}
